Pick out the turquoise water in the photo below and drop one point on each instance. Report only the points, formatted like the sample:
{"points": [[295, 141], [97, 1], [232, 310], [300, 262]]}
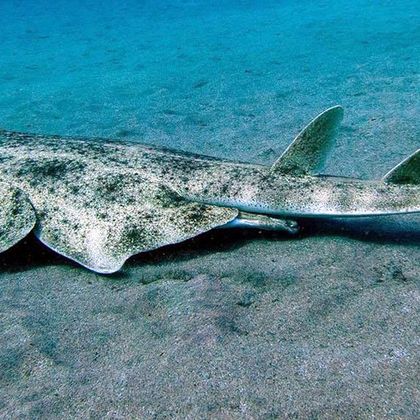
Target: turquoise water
{"points": [[230, 324], [229, 78]]}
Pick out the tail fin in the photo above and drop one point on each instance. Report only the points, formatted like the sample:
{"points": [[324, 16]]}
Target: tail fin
{"points": [[406, 172]]}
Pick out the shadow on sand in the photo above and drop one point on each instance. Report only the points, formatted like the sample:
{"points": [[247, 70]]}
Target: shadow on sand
{"points": [[402, 230]]}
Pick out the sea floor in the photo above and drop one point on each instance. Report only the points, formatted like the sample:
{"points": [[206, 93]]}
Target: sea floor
{"points": [[229, 325], [233, 324]]}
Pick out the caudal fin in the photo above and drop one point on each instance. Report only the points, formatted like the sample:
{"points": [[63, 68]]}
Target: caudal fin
{"points": [[406, 172]]}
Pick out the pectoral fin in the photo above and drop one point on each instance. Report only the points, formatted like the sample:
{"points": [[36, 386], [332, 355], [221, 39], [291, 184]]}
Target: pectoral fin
{"points": [[17, 216], [307, 153], [115, 216]]}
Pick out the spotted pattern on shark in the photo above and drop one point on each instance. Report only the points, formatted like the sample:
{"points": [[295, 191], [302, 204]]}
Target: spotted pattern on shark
{"points": [[98, 201]]}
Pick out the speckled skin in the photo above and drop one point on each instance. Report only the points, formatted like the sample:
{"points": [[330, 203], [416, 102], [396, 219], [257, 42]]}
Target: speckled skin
{"points": [[17, 216], [99, 202]]}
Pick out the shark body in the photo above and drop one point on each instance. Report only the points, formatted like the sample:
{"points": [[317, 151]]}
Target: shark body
{"points": [[98, 201]]}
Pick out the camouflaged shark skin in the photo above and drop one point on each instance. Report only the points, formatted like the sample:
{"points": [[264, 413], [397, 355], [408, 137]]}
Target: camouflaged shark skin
{"points": [[99, 201], [17, 216], [94, 208]]}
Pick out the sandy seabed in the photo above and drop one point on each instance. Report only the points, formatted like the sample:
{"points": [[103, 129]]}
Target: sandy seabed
{"points": [[232, 324]]}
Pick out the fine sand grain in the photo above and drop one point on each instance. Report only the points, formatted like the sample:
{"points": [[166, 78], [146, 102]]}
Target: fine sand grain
{"points": [[229, 325]]}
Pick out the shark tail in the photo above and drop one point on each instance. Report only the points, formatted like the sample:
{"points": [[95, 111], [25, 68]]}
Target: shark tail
{"points": [[406, 172]]}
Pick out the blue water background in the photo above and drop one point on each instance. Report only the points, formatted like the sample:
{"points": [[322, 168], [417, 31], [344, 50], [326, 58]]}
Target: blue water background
{"points": [[234, 79]]}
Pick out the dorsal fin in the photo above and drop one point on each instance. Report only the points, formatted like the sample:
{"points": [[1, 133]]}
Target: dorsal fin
{"points": [[307, 152], [406, 172]]}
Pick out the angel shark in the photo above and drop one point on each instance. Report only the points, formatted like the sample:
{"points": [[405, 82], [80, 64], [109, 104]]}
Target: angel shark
{"points": [[98, 202]]}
